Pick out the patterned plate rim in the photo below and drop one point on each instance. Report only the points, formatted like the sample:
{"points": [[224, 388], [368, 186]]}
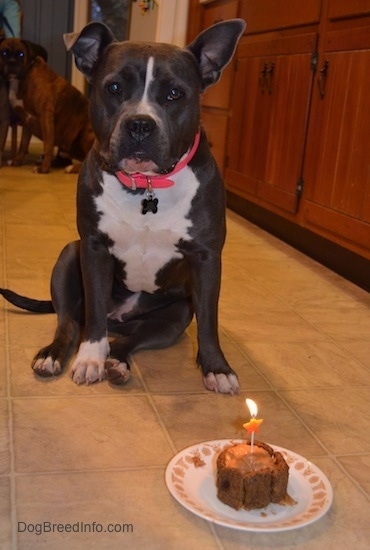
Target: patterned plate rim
{"points": [[196, 461]]}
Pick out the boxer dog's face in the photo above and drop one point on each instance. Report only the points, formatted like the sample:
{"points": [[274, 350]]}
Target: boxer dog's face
{"points": [[14, 58]]}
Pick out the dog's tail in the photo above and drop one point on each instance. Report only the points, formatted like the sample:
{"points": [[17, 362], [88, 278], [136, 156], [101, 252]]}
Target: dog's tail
{"points": [[36, 306]]}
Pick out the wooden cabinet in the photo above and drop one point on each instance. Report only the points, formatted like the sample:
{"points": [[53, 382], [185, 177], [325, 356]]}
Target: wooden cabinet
{"points": [[268, 126], [292, 125], [337, 163]]}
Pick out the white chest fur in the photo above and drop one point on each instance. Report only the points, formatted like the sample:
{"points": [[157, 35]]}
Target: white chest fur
{"points": [[146, 243]]}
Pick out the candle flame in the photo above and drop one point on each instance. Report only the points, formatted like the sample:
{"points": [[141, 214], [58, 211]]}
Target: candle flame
{"points": [[252, 406]]}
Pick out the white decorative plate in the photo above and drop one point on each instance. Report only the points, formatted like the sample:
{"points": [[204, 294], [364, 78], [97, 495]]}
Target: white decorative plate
{"points": [[191, 479]]}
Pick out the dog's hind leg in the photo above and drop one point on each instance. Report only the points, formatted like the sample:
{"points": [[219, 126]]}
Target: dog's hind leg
{"points": [[156, 329], [18, 158], [66, 289]]}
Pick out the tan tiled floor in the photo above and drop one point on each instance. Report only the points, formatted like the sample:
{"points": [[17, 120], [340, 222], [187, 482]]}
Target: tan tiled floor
{"points": [[297, 334]]}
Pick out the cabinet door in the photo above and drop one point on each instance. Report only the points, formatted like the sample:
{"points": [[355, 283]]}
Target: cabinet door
{"points": [[268, 125], [219, 94], [215, 125], [337, 167]]}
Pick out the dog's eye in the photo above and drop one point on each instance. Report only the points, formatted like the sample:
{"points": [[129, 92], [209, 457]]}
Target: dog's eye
{"points": [[114, 88], [4, 53], [20, 54], [174, 94]]}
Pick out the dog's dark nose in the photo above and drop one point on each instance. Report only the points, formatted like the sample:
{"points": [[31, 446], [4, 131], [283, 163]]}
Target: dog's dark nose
{"points": [[140, 127]]}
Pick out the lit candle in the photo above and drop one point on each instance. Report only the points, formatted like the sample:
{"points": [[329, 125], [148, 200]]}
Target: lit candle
{"points": [[253, 425]]}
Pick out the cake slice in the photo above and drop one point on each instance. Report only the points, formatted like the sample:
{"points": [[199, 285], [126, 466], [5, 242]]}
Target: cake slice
{"points": [[251, 480]]}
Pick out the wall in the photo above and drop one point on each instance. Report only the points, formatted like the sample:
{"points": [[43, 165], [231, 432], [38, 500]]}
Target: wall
{"points": [[143, 27], [167, 23]]}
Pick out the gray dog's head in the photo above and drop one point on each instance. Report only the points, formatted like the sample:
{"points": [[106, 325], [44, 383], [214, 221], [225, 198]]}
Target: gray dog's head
{"points": [[145, 97]]}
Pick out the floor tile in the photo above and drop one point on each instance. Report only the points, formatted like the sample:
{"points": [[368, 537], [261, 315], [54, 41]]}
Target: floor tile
{"points": [[4, 438], [278, 326], [174, 370], [3, 360], [83, 433], [39, 241], [197, 418], [135, 502], [5, 514], [359, 468], [30, 329], [339, 417], [340, 324], [239, 293], [359, 349], [306, 365]]}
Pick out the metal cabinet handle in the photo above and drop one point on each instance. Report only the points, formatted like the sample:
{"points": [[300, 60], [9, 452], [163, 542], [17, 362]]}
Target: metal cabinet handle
{"points": [[269, 75], [265, 78], [262, 78], [323, 78]]}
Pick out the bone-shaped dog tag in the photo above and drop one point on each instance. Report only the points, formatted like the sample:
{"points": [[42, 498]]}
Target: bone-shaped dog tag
{"points": [[150, 203]]}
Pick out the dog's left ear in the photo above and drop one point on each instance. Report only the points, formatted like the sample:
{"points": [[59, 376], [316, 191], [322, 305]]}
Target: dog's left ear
{"points": [[88, 45], [215, 47], [35, 50]]}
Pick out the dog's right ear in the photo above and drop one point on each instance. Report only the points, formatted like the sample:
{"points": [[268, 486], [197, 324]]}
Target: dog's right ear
{"points": [[88, 45], [35, 50]]}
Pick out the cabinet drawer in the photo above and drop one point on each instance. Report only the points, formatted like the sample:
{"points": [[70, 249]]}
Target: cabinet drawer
{"points": [[270, 15], [341, 9], [214, 14]]}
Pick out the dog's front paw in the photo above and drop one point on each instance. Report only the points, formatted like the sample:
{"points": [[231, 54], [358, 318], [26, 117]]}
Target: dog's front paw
{"points": [[87, 372], [88, 367], [222, 383], [117, 373], [46, 366], [72, 169], [41, 170]]}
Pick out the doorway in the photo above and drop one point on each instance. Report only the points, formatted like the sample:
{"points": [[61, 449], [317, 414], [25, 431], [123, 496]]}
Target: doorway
{"points": [[44, 22]]}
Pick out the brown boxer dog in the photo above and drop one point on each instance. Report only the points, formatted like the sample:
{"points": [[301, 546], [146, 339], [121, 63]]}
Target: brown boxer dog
{"points": [[8, 118], [46, 103]]}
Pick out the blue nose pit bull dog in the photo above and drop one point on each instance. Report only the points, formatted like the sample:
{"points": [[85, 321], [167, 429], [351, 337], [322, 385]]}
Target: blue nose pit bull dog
{"points": [[150, 211]]}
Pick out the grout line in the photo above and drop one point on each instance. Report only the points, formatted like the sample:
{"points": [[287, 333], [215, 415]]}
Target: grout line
{"points": [[13, 508], [153, 405], [45, 473]]}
